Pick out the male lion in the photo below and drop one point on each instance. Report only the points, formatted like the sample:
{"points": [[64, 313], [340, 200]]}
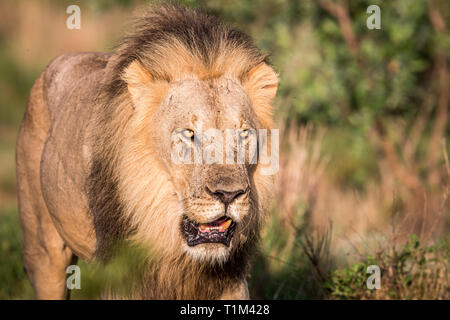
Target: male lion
{"points": [[94, 159]]}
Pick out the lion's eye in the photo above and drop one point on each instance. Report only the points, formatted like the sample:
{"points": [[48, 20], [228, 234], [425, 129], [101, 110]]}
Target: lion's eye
{"points": [[244, 134], [188, 134]]}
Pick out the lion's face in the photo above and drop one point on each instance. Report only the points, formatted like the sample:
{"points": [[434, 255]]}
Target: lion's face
{"points": [[217, 199], [182, 179]]}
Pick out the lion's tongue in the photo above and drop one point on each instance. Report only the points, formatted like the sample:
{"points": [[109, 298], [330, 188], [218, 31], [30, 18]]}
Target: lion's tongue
{"points": [[220, 225]]}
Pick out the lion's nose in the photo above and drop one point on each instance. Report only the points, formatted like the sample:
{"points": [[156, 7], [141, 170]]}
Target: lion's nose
{"points": [[226, 197]]}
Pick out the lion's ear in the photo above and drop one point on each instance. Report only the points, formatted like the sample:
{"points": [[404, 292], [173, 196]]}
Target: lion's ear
{"points": [[261, 84], [137, 78]]}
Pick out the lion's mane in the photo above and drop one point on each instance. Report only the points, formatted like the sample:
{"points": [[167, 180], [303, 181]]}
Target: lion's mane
{"points": [[128, 189]]}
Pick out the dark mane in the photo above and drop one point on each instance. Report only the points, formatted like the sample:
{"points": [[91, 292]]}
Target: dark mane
{"points": [[165, 30]]}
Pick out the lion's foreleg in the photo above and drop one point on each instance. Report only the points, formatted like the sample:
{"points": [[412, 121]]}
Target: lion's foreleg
{"points": [[45, 254]]}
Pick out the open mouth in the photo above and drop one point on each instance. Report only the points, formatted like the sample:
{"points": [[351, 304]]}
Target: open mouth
{"points": [[217, 231]]}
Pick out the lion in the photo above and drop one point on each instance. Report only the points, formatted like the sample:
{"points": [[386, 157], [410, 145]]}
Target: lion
{"points": [[94, 158]]}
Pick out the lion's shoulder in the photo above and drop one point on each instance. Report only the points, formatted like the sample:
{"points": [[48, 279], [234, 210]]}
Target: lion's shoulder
{"points": [[69, 68]]}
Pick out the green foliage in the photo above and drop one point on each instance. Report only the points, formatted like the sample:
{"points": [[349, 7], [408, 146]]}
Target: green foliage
{"points": [[415, 271], [322, 81], [119, 276], [354, 161], [15, 82], [14, 283], [347, 283]]}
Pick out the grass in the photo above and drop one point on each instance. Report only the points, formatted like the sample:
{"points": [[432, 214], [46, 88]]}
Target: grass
{"points": [[414, 271], [14, 283]]}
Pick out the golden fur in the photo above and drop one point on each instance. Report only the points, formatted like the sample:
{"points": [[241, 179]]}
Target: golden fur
{"points": [[133, 191]]}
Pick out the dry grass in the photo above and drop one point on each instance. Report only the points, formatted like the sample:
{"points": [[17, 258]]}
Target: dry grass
{"points": [[372, 225]]}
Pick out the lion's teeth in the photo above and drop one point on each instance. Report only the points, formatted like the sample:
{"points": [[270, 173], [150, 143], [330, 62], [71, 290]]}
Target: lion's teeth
{"points": [[206, 227], [225, 225]]}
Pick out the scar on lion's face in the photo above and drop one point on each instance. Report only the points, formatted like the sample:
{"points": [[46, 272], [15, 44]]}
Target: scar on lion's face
{"points": [[214, 197]]}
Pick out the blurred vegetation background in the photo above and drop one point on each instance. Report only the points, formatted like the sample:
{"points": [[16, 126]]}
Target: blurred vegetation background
{"points": [[364, 174]]}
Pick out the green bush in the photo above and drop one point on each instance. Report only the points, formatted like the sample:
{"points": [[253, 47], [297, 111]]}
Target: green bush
{"points": [[415, 271]]}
